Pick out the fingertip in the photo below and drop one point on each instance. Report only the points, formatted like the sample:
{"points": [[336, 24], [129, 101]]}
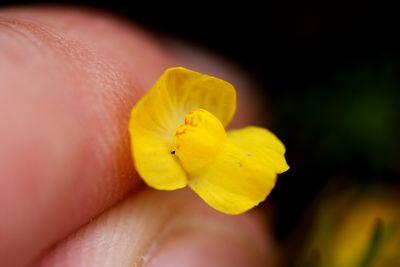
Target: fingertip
{"points": [[156, 228], [213, 245], [66, 149], [67, 94]]}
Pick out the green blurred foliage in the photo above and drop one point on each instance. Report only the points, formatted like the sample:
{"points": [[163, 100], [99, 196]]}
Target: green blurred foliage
{"points": [[342, 126], [349, 122]]}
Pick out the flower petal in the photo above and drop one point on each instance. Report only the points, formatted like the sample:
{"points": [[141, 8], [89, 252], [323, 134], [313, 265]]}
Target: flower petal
{"points": [[155, 118], [182, 90], [262, 144], [243, 174], [154, 162]]}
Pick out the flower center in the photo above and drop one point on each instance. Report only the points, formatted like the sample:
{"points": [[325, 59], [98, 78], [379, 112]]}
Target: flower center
{"points": [[198, 140]]}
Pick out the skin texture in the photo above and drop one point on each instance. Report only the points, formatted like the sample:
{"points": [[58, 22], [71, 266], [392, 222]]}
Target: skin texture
{"points": [[69, 195]]}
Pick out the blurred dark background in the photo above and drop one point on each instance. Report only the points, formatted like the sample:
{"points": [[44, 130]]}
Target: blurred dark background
{"points": [[330, 72]]}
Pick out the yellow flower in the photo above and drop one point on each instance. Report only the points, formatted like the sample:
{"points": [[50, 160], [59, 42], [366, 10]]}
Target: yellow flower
{"points": [[355, 228], [178, 139]]}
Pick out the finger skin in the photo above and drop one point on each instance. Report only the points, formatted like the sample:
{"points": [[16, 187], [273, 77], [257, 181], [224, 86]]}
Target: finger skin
{"points": [[156, 228], [68, 80]]}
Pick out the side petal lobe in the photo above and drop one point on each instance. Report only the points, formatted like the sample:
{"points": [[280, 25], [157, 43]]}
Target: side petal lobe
{"points": [[244, 172]]}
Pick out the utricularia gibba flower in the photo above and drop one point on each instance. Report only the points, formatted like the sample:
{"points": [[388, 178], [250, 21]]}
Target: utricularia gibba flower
{"points": [[178, 139]]}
